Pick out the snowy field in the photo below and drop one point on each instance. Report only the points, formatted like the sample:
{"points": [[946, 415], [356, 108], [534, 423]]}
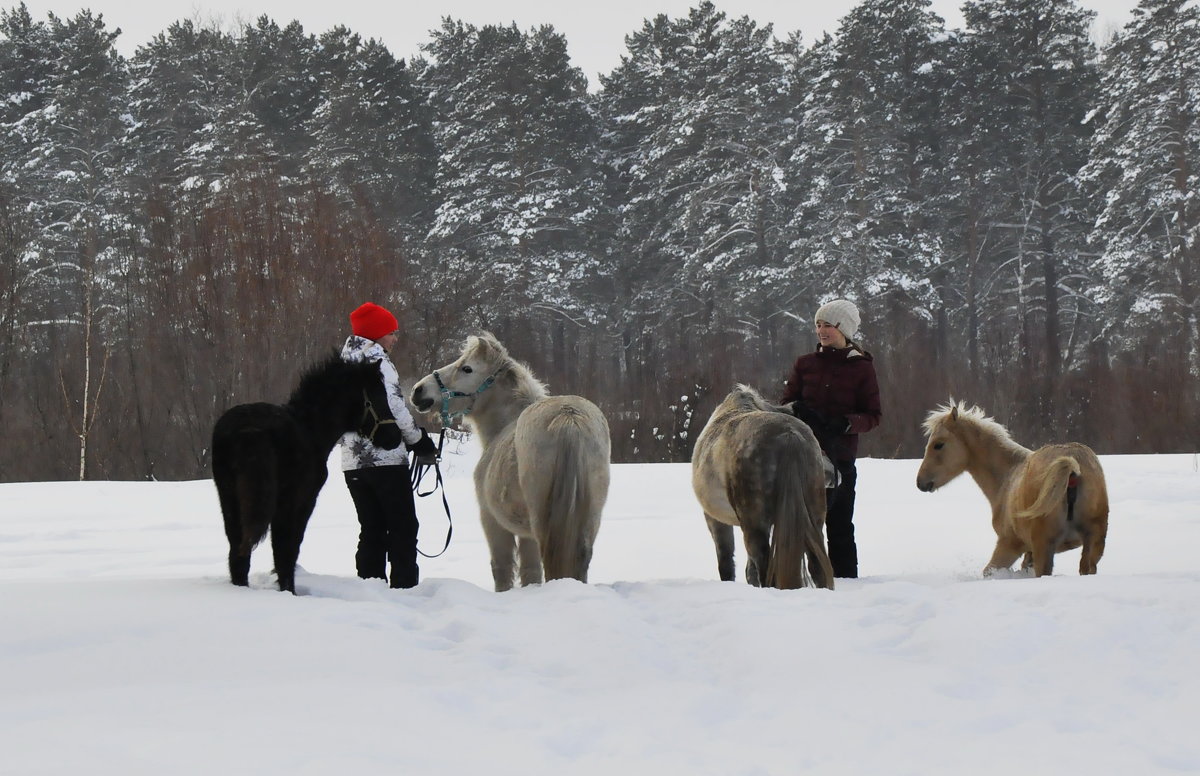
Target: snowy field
{"points": [[124, 650]]}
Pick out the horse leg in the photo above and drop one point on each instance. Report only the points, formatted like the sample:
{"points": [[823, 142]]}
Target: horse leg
{"points": [[502, 546], [287, 534], [529, 556], [1093, 548], [1043, 558], [1045, 539], [239, 560], [239, 565], [1007, 550], [1043, 545], [285, 548], [758, 552], [722, 536]]}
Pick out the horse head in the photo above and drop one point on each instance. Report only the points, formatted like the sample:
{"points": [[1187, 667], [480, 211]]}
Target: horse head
{"points": [[946, 453], [458, 384]]}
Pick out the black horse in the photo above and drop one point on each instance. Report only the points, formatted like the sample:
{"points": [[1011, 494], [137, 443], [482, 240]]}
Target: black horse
{"points": [[269, 460]]}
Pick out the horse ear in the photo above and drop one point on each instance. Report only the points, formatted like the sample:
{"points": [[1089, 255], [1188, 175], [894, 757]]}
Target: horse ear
{"points": [[490, 347], [479, 346], [954, 413]]}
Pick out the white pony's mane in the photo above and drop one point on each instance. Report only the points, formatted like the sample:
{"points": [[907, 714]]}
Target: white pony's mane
{"points": [[972, 415], [525, 387]]}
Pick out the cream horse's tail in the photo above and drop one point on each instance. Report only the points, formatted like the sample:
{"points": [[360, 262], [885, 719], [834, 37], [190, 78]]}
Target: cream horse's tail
{"points": [[577, 491], [1055, 479]]}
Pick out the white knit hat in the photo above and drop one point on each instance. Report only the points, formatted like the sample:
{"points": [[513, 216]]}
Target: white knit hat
{"points": [[841, 313]]}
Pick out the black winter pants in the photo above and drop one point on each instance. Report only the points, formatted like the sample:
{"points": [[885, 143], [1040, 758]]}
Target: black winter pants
{"points": [[387, 519], [839, 522]]}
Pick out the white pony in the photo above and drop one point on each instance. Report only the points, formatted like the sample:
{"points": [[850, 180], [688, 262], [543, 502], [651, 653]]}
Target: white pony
{"points": [[543, 477]]}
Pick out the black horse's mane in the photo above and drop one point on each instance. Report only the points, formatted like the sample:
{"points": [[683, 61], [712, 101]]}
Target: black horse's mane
{"points": [[323, 381]]}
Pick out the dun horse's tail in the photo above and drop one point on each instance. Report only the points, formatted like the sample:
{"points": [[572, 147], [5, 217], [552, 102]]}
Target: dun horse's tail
{"points": [[1053, 492], [576, 495], [797, 541]]}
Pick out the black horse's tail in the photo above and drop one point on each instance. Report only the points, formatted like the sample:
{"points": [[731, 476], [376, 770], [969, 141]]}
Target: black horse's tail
{"points": [[257, 474], [245, 471]]}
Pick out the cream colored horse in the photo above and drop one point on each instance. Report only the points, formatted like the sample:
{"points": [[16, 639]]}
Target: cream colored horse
{"points": [[757, 467], [1043, 502], [543, 477]]}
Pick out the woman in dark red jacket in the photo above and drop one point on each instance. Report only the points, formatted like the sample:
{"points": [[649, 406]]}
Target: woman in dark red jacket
{"points": [[835, 392]]}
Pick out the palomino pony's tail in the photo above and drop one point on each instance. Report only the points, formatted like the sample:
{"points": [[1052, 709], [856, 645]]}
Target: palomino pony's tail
{"points": [[573, 502], [797, 540], [1053, 491]]}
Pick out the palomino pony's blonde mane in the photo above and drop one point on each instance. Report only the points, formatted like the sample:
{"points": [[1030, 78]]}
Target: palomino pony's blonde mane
{"points": [[972, 416], [516, 376]]}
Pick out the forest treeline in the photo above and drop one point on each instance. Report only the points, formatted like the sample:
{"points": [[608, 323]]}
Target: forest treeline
{"points": [[1013, 206]]}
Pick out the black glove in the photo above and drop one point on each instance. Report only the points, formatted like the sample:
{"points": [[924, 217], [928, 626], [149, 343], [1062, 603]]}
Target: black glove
{"points": [[812, 418], [836, 425], [424, 449], [826, 428]]}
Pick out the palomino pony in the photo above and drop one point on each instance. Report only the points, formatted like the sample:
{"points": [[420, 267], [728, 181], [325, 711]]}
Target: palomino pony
{"points": [[269, 460], [1043, 501], [543, 477], [758, 467]]}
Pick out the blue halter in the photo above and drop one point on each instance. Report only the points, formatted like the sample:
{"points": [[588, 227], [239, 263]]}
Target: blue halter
{"points": [[447, 395]]}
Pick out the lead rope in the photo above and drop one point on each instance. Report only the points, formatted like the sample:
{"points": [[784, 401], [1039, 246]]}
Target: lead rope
{"points": [[418, 472]]}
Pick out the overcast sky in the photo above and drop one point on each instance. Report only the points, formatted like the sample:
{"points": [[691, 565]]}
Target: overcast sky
{"points": [[595, 31]]}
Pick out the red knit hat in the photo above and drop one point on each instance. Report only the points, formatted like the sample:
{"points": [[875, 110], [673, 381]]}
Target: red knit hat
{"points": [[372, 321]]}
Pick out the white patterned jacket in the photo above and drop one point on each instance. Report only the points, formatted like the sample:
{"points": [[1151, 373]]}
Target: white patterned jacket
{"points": [[357, 451]]}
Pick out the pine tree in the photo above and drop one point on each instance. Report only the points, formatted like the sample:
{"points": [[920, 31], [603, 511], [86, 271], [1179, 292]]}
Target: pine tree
{"points": [[1033, 83], [180, 84], [694, 136], [372, 133], [25, 70], [972, 205], [1145, 170], [212, 108], [872, 145], [516, 185], [73, 158], [26, 62]]}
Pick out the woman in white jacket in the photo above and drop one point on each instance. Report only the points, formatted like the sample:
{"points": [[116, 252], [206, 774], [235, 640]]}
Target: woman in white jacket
{"points": [[378, 479]]}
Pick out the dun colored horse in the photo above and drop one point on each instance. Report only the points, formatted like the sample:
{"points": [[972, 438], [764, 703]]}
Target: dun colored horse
{"points": [[543, 477], [269, 460], [1043, 501], [758, 467]]}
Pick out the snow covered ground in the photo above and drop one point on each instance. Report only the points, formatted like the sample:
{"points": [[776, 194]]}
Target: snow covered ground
{"points": [[124, 649]]}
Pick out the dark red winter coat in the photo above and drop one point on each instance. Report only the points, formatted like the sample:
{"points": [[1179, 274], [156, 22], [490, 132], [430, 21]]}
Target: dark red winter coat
{"points": [[838, 381]]}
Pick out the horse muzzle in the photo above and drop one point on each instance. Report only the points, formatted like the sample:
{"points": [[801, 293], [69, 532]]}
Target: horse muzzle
{"points": [[420, 400], [926, 486]]}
